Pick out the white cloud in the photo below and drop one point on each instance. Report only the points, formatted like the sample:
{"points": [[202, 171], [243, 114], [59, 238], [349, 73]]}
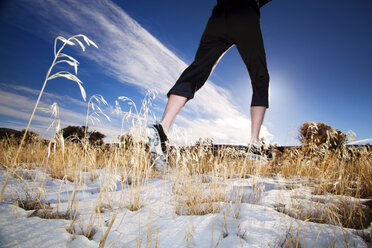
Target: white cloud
{"points": [[221, 128], [18, 106], [359, 142], [49, 97], [132, 55]]}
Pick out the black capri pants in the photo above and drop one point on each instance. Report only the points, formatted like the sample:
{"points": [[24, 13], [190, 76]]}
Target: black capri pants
{"points": [[234, 25]]}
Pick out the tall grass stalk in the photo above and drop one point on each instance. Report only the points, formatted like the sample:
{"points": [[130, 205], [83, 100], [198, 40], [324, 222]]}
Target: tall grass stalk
{"points": [[70, 61]]}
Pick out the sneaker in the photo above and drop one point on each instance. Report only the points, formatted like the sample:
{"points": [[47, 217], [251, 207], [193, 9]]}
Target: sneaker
{"points": [[158, 148], [258, 151]]}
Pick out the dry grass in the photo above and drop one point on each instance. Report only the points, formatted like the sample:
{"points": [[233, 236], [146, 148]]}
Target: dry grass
{"points": [[342, 173], [49, 214], [89, 233], [200, 180], [339, 175], [197, 193], [201, 175], [32, 204], [41, 209], [336, 211], [199, 172]]}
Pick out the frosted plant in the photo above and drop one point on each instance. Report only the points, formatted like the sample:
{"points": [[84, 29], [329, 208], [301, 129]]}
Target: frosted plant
{"points": [[59, 57], [136, 118], [56, 123], [94, 111]]}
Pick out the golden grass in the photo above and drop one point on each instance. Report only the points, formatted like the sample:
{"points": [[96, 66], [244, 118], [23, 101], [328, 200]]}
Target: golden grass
{"points": [[202, 174], [199, 173], [200, 179]]}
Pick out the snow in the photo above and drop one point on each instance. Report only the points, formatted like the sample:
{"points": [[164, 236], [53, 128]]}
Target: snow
{"points": [[248, 218]]}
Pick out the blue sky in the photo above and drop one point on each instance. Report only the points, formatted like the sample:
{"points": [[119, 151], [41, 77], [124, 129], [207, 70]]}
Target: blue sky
{"points": [[318, 53]]}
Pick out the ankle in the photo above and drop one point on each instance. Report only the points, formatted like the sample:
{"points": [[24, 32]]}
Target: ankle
{"points": [[165, 128]]}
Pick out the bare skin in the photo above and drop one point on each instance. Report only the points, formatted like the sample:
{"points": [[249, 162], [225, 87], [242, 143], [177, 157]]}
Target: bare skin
{"points": [[176, 103], [174, 106], [257, 116]]}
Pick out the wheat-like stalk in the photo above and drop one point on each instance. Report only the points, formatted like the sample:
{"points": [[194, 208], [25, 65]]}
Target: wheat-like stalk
{"points": [[58, 58]]}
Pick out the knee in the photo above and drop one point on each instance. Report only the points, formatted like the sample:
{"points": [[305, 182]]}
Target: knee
{"points": [[264, 77], [261, 80]]}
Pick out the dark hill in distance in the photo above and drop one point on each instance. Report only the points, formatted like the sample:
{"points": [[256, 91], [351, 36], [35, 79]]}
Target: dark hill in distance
{"points": [[8, 132]]}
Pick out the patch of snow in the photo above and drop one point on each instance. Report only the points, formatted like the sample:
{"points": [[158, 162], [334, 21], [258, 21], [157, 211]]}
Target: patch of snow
{"points": [[247, 218]]}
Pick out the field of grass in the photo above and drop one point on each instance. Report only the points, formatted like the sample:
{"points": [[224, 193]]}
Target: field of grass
{"points": [[317, 186], [316, 194]]}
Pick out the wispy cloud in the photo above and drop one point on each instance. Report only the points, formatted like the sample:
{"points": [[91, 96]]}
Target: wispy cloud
{"points": [[47, 96], [359, 142], [130, 54], [18, 106]]}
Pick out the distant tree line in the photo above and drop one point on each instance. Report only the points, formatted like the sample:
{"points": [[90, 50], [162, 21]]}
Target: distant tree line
{"points": [[69, 133], [15, 135], [78, 133], [310, 133]]}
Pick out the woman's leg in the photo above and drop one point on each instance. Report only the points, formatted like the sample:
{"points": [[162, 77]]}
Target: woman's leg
{"points": [[213, 45], [174, 106], [257, 116], [245, 28]]}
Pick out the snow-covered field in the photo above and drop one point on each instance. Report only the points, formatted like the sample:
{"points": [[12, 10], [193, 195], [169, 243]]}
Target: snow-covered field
{"points": [[247, 218]]}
